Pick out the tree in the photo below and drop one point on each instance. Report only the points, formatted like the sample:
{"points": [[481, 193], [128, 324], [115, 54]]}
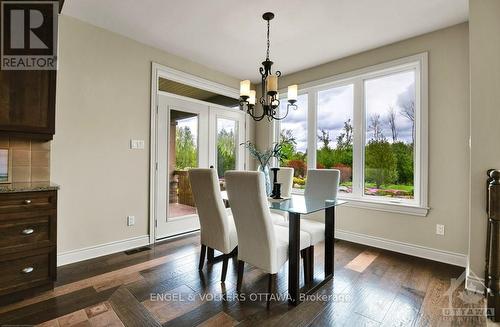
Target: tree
{"points": [[325, 139], [403, 154], [376, 127], [380, 163], [288, 145], [391, 119], [185, 149], [226, 151], [344, 140]]}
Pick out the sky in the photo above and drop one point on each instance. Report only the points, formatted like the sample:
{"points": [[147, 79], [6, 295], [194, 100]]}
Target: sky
{"points": [[335, 106]]}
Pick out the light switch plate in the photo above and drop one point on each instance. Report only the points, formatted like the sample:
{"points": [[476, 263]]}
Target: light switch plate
{"points": [[130, 220], [137, 144]]}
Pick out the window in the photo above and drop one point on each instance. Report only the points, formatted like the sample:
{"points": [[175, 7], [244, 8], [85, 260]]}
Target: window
{"points": [[371, 125], [389, 141], [226, 145], [293, 132], [334, 132]]}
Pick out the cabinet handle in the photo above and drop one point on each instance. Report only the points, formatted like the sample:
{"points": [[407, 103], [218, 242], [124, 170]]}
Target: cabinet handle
{"points": [[27, 201], [27, 270], [27, 231]]}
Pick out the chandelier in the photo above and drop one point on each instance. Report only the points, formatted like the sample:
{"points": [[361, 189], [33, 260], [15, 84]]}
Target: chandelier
{"points": [[270, 97]]}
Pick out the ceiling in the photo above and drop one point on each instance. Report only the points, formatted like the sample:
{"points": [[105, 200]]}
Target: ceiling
{"points": [[229, 35]]}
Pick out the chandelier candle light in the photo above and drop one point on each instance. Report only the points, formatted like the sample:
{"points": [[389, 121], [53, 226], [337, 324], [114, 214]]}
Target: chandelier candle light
{"points": [[270, 97]]}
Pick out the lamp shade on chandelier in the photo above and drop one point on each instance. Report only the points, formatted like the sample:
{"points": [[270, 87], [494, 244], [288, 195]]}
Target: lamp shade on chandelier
{"points": [[269, 100]]}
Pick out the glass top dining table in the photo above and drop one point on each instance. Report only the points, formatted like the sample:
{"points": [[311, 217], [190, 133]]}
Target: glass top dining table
{"points": [[296, 206]]}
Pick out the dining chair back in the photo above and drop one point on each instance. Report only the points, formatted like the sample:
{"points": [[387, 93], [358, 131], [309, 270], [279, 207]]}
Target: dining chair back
{"points": [[217, 227], [248, 199], [285, 177], [322, 183]]}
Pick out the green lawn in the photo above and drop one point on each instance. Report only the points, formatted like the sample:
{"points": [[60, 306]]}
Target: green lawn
{"points": [[401, 187]]}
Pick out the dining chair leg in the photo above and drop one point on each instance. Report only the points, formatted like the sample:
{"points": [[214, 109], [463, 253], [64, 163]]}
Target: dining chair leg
{"points": [[210, 255], [241, 268], [305, 259], [224, 267], [271, 288], [311, 263], [202, 256], [234, 253]]}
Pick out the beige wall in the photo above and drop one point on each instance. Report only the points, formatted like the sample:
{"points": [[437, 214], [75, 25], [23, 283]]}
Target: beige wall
{"points": [[448, 139], [103, 101], [485, 116]]}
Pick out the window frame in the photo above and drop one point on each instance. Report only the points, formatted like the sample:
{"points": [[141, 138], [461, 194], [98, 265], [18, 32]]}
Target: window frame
{"points": [[419, 63]]}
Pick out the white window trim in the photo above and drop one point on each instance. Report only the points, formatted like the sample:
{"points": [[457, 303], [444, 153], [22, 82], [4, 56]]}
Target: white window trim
{"points": [[419, 62]]}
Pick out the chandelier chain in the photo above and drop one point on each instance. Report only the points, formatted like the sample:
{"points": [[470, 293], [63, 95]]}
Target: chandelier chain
{"points": [[268, 41]]}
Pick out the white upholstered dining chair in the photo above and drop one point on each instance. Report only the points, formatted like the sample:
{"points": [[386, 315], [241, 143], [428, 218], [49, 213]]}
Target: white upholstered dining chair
{"points": [[260, 242], [285, 177], [218, 231], [320, 184]]}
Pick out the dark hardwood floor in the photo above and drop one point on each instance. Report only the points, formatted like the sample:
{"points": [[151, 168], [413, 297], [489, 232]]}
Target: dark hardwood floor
{"points": [[163, 287]]}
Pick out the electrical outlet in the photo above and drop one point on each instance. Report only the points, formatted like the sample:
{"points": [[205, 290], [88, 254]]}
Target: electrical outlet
{"points": [[439, 229], [130, 220]]}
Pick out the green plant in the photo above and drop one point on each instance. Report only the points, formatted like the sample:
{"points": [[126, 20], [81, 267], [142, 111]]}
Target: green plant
{"points": [[226, 151], [404, 162], [380, 163], [185, 149]]}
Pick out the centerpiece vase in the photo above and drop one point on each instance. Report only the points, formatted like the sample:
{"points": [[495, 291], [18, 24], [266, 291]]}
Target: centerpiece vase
{"points": [[267, 178]]}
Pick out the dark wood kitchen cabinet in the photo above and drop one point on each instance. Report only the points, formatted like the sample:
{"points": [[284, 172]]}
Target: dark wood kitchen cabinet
{"points": [[27, 103], [28, 243]]}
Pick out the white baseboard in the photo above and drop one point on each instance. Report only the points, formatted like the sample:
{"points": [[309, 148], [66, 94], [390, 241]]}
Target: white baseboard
{"points": [[456, 259], [91, 252]]}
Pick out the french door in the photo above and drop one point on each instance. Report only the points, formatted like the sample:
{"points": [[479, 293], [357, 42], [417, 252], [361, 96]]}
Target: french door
{"points": [[191, 134]]}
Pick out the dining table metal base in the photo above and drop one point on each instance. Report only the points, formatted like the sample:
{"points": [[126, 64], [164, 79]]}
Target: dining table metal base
{"points": [[295, 293]]}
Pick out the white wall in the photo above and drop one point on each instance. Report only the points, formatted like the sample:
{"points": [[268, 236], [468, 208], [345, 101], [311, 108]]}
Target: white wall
{"points": [[103, 101], [485, 116], [448, 141]]}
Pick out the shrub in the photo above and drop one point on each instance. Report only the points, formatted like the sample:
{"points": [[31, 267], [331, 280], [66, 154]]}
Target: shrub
{"points": [[299, 166], [380, 163], [403, 154], [299, 181]]}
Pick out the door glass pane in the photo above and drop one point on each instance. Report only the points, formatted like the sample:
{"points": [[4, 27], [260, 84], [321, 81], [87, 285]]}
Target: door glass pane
{"points": [[183, 147], [227, 130], [390, 135], [293, 131], [334, 133]]}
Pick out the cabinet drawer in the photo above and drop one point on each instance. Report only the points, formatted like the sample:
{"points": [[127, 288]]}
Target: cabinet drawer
{"points": [[26, 269], [23, 201], [30, 230]]}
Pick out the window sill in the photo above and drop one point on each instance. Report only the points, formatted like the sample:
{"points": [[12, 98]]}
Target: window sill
{"points": [[401, 208]]}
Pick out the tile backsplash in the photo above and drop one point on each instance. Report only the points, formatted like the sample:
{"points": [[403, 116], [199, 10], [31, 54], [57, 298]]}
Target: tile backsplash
{"points": [[30, 159]]}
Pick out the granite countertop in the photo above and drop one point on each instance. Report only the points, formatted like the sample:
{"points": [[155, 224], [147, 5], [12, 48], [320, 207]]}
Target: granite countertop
{"points": [[28, 187]]}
